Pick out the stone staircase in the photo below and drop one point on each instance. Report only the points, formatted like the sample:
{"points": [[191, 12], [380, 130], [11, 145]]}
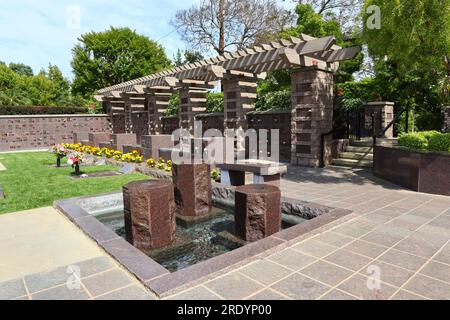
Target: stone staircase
{"points": [[359, 154]]}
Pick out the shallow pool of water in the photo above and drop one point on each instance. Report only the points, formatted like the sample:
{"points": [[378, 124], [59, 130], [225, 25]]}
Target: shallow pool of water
{"points": [[206, 244]]}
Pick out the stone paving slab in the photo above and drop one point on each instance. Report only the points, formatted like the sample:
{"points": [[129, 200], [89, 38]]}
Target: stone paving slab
{"points": [[402, 234], [42, 256], [396, 245], [2, 167], [37, 240], [99, 278]]}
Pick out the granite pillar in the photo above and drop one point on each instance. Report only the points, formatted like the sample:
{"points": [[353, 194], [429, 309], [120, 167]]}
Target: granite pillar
{"points": [[149, 214], [192, 184], [257, 211]]}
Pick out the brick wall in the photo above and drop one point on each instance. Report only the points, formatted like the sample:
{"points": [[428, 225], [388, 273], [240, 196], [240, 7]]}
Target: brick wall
{"points": [[43, 131]]}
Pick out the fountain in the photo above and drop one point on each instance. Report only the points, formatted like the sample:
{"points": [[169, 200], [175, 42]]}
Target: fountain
{"points": [[149, 214]]}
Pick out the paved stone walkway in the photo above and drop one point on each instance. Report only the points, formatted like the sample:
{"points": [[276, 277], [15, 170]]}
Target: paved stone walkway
{"points": [[394, 235], [44, 256]]}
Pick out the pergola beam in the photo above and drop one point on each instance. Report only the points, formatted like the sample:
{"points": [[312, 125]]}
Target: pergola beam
{"points": [[281, 54]]}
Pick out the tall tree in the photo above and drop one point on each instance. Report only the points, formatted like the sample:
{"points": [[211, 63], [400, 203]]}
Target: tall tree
{"points": [[101, 59], [227, 25], [414, 34], [184, 57], [21, 69], [411, 50], [345, 11]]}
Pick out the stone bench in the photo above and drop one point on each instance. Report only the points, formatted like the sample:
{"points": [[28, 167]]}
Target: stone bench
{"points": [[264, 172]]}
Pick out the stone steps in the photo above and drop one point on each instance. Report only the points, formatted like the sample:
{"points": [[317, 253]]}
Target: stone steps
{"points": [[352, 163], [359, 149], [356, 155]]}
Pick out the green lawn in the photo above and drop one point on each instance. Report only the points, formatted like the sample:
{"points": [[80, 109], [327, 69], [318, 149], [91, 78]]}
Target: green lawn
{"points": [[29, 182]]}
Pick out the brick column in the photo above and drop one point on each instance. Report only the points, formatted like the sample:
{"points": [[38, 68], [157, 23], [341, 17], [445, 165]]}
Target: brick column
{"points": [[446, 126], [127, 114], [192, 102], [384, 114], [239, 98], [156, 103], [312, 114]]}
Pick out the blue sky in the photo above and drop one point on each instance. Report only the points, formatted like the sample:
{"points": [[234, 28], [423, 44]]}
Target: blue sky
{"points": [[39, 32]]}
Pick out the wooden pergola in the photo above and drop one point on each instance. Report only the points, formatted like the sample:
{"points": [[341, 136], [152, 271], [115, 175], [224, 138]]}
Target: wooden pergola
{"points": [[239, 73]]}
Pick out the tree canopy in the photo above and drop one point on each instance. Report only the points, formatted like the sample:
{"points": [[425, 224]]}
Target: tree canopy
{"points": [[414, 34], [47, 88], [101, 59], [225, 25]]}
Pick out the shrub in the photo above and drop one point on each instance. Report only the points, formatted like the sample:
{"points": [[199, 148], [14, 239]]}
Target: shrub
{"points": [[414, 140], [439, 142], [36, 110], [274, 100], [429, 134]]}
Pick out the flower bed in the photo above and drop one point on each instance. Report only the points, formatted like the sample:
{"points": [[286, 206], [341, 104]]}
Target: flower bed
{"points": [[118, 156]]}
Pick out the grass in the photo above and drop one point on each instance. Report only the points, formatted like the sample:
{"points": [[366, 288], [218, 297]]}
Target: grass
{"points": [[29, 182]]}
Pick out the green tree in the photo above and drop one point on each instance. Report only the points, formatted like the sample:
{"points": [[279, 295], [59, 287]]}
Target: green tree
{"points": [[21, 69], [105, 58], [410, 51], [185, 57], [414, 34]]}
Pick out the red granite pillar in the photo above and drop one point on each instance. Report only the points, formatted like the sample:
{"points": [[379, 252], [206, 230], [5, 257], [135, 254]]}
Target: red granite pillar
{"points": [[192, 189], [149, 214], [257, 211]]}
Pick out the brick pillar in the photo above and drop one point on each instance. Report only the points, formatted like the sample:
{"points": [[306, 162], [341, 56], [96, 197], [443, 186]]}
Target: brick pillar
{"points": [[192, 102], [384, 114], [312, 114], [239, 98], [117, 117], [127, 114], [446, 126]]}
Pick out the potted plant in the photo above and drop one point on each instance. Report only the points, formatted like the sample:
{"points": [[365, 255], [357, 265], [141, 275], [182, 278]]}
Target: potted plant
{"points": [[75, 161], [60, 153]]}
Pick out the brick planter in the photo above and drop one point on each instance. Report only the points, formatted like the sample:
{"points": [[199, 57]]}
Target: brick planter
{"points": [[427, 172]]}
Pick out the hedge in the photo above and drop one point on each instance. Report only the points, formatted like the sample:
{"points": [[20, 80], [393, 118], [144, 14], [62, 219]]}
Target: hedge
{"points": [[37, 110], [425, 140]]}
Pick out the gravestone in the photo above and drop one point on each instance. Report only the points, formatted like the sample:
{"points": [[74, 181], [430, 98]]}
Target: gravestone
{"points": [[149, 213], [257, 211], [128, 168]]}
